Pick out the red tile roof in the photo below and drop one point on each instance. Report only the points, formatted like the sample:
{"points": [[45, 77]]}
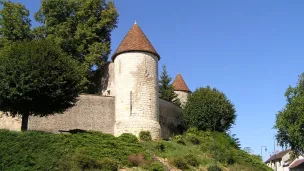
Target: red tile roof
{"points": [[296, 163], [135, 40], [179, 84], [277, 156]]}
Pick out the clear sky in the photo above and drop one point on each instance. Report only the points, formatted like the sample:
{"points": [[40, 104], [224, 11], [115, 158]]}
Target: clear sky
{"points": [[250, 50]]}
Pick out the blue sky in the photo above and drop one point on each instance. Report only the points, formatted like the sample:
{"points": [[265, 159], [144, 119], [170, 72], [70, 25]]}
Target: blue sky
{"points": [[250, 50]]}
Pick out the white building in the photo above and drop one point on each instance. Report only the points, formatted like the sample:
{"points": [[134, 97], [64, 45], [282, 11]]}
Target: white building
{"points": [[282, 161]]}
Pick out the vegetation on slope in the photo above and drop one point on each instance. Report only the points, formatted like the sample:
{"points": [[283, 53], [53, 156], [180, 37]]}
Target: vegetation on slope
{"points": [[96, 151]]}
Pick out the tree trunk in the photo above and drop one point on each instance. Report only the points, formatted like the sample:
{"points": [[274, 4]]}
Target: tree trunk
{"points": [[24, 123]]}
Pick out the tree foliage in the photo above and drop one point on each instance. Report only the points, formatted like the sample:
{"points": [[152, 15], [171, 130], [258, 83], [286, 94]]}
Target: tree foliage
{"points": [[206, 108], [166, 89], [37, 78], [290, 120], [81, 28], [14, 21]]}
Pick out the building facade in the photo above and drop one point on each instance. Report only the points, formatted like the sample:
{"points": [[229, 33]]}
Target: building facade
{"points": [[283, 161]]}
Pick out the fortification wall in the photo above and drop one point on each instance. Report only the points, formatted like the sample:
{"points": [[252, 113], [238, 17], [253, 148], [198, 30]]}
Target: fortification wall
{"points": [[90, 113], [169, 119], [93, 113], [10, 123], [107, 81], [183, 97]]}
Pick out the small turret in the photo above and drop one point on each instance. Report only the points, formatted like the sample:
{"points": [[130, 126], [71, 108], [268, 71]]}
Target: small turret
{"points": [[181, 89], [136, 85]]}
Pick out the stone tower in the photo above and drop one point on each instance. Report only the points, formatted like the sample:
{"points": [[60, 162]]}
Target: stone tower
{"points": [[136, 85], [181, 89]]}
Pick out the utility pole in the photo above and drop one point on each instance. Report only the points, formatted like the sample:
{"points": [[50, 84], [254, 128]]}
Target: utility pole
{"points": [[215, 158], [275, 154], [262, 151]]}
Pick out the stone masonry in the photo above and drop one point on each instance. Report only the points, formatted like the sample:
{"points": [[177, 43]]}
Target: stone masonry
{"points": [[136, 103]]}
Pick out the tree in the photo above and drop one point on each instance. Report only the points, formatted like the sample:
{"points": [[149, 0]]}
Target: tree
{"points": [[37, 78], [82, 29], [234, 141], [166, 89], [206, 108], [248, 150], [14, 21], [290, 120]]}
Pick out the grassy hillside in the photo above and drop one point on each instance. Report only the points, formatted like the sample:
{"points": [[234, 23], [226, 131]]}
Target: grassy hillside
{"points": [[96, 151]]}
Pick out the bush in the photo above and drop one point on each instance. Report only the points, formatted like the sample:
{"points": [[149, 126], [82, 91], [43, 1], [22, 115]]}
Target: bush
{"points": [[86, 162], [129, 138], [160, 147], [191, 160], [194, 140], [179, 139], [137, 159], [180, 163], [108, 164], [145, 136], [155, 166], [214, 168], [194, 130]]}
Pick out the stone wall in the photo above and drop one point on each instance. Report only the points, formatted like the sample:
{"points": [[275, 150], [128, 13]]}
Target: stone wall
{"points": [[169, 119], [10, 123], [90, 113], [183, 97], [137, 104], [94, 113], [107, 81]]}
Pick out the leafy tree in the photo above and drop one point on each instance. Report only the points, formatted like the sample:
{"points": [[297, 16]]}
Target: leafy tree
{"points": [[82, 29], [166, 89], [37, 78], [14, 21], [290, 120], [248, 150], [206, 108]]}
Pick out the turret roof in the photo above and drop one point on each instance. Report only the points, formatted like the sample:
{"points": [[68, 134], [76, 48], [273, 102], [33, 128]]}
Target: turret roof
{"points": [[179, 84], [135, 40]]}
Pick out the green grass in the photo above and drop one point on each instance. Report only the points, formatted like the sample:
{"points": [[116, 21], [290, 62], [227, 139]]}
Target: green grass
{"points": [[32, 150], [45, 151], [200, 145]]}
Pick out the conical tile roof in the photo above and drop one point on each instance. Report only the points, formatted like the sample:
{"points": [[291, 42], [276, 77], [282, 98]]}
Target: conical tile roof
{"points": [[179, 84], [135, 40]]}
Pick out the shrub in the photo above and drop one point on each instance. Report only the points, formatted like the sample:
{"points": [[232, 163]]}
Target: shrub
{"points": [[206, 147], [145, 136], [214, 168], [155, 166], [179, 139], [137, 159], [160, 147], [87, 162], [194, 130], [180, 163], [191, 160], [129, 138], [194, 140], [108, 164]]}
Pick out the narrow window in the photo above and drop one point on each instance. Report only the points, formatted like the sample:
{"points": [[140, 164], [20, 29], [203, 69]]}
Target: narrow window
{"points": [[130, 103]]}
